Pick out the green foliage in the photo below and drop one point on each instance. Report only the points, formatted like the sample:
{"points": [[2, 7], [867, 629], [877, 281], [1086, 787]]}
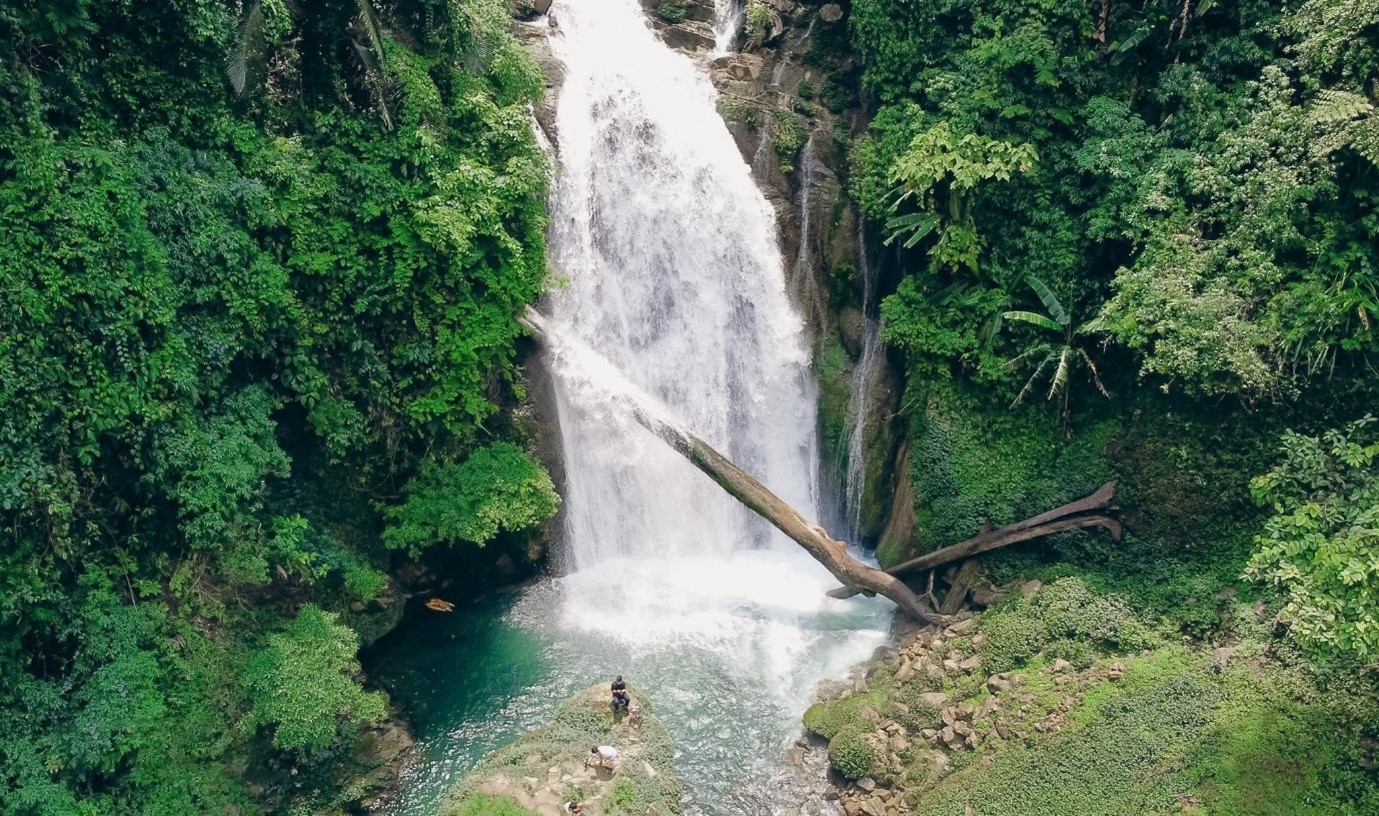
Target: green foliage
{"points": [[1063, 356], [789, 132], [937, 174], [499, 488], [205, 292], [850, 754], [756, 21], [973, 463], [673, 12], [481, 804], [1066, 616], [303, 683], [1174, 736], [1319, 544]]}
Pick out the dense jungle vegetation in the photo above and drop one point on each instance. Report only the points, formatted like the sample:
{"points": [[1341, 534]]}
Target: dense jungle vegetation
{"points": [[1138, 240], [259, 264], [259, 267], [1159, 219]]}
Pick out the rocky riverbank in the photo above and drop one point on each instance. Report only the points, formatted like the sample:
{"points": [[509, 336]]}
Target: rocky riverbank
{"points": [[545, 768], [1064, 700]]}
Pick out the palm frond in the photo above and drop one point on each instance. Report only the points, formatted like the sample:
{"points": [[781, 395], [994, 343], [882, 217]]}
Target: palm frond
{"points": [[1050, 300], [377, 83], [1018, 361], [1043, 321], [1029, 384], [1124, 47], [1096, 376], [1060, 374], [916, 225], [246, 48], [373, 30]]}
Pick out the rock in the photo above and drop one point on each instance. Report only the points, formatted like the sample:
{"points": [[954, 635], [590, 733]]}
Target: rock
{"points": [[852, 807], [962, 727], [831, 12], [900, 707], [1002, 731], [989, 705], [951, 666], [866, 783], [872, 807], [960, 627], [741, 67], [907, 670], [530, 9], [971, 663], [900, 743], [1061, 665], [986, 596], [1222, 657], [934, 699], [1116, 672], [997, 683], [1029, 588]]}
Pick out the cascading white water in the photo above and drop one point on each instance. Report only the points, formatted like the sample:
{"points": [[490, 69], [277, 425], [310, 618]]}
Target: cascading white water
{"points": [[673, 275], [868, 368], [674, 293]]}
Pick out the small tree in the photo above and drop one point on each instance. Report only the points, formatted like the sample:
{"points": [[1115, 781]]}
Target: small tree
{"points": [[303, 683], [1062, 354]]}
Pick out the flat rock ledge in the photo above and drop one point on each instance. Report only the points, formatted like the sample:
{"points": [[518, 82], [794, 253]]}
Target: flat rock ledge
{"points": [[545, 768]]}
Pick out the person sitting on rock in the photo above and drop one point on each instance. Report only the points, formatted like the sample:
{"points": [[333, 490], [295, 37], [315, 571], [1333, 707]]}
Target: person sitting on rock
{"points": [[621, 699], [576, 808], [604, 756]]}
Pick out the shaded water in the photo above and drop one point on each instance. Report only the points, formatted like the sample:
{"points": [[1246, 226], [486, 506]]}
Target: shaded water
{"points": [[675, 288]]}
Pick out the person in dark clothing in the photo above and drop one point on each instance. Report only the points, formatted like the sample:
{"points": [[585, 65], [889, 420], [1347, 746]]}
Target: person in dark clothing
{"points": [[621, 699]]}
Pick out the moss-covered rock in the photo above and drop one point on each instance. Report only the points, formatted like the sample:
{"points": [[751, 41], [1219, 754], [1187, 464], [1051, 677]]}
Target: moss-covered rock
{"points": [[545, 767]]}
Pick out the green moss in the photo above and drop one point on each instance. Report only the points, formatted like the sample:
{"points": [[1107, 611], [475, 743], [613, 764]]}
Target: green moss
{"points": [[834, 371], [789, 133], [850, 754]]}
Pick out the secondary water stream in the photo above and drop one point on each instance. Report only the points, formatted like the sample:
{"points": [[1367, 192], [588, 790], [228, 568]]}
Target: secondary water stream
{"points": [[673, 275]]}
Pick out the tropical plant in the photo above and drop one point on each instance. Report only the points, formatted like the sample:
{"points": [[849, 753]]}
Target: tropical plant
{"points": [[938, 174], [1062, 354], [1319, 544]]}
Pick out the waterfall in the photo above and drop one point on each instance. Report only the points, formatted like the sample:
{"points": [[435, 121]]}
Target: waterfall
{"points": [[869, 366], [672, 292], [674, 275]]}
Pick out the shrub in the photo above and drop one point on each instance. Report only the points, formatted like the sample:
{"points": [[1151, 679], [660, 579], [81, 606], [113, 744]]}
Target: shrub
{"points": [[673, 12], [827, 719], [850, 754]]}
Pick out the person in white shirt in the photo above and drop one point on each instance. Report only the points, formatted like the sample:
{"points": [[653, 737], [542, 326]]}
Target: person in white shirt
{"points": [[604, 755]]}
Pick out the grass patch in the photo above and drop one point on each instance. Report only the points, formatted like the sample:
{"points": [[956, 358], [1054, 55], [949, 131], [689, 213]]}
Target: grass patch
{"points": [[483, 805]]}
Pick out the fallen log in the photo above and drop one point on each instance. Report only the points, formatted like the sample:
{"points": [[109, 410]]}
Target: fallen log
{"points": [[1071, 516], [744, 487]]}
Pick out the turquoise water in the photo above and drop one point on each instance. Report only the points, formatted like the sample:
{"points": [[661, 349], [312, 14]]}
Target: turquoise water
{"points": [[728, 673]]}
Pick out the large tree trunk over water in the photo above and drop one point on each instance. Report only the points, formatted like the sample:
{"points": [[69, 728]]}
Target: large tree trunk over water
{"points": [[1082, 513], [742, 486]]}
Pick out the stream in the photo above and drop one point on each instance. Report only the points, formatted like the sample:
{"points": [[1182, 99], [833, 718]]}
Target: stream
{"points": [[672, 274]]}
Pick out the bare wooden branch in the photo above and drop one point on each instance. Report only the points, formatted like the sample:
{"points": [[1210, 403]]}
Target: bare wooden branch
{"points": [[1071, 516]]}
